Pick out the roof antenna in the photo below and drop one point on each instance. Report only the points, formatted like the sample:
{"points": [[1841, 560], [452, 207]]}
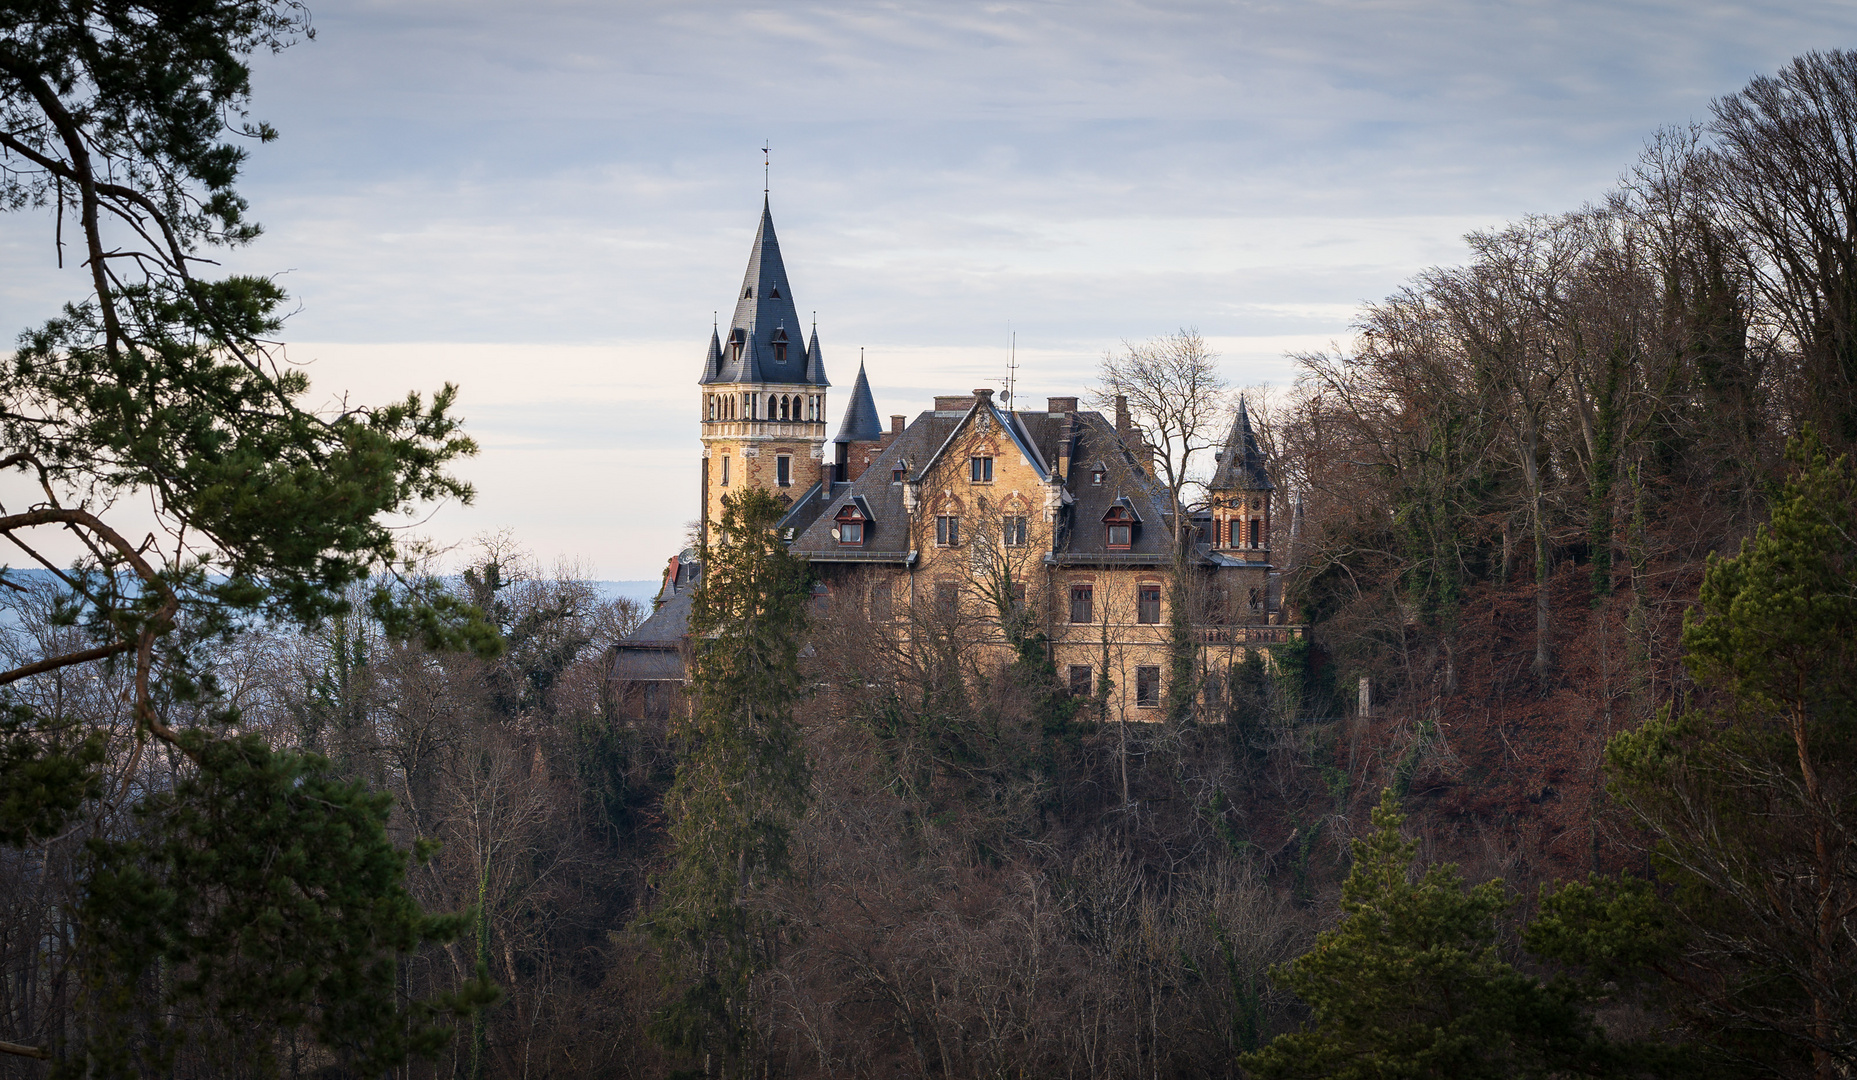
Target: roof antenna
{"points": [[767, 164], [1012, 368]]}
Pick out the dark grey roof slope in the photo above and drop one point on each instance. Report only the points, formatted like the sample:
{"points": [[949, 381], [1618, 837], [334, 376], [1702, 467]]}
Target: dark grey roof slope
{"points": [[802, 512], [1081, 538], [765, 317], [886, 538], [861, 422], [653, 651], [1086, 540], [1241, 463]]}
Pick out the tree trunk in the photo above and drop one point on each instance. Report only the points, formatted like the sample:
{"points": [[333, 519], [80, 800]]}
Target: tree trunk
{"points": [[1531, 472]]}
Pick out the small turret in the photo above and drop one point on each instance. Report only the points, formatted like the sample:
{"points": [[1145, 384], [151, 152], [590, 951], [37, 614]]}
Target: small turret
{"points": [[861, 425], [1241, 492]]}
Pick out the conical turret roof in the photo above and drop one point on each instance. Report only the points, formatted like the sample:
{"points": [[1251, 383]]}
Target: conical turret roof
{"points": [[1241, 463], [815, 360], [712, 363], [763, 343], [861, 423]]}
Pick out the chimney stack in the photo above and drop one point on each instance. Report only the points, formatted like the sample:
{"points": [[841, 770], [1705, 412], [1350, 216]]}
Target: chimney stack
{"points": [[1122, 425], [896, 425]]}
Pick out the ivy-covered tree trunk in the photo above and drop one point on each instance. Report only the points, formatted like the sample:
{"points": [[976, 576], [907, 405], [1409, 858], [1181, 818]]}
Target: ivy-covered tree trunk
{"points": [[741, 785]]}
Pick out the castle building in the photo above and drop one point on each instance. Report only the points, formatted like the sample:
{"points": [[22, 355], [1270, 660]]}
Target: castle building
{"points": [[972, 515]]}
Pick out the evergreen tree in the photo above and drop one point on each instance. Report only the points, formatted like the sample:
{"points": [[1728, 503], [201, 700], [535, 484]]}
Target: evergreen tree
{"points": [[741, 783], [1412, 984], [257, 897], [1752, 793]]}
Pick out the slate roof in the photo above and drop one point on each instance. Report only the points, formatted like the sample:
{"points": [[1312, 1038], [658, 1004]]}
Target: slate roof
{"points": [[861, 423], [653, 651], [802, 512], [1081, 538], [1241, 463], [1085, 541], [764, 315]]}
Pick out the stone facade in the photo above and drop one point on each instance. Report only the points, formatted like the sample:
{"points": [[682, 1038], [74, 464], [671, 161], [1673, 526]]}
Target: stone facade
{"points": [[971, 519]]}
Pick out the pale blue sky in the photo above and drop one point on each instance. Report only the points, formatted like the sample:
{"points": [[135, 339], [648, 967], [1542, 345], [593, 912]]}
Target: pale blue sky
{"points": [[546, 202]]}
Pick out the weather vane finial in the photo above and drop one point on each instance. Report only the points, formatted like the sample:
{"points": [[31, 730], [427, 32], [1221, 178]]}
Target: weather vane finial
{"points": [[767, 163]]}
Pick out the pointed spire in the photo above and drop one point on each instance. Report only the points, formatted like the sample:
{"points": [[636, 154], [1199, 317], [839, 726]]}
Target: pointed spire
{"points": [[712, 363], [815, 360], [861, 423], [764, 309], [1241, 463]]}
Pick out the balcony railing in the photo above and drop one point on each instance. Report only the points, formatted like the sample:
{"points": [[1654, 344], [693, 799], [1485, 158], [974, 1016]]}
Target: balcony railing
{"points": [[1247, 635]]}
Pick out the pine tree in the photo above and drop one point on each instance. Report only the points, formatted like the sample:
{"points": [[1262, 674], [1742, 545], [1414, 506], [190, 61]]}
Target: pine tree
{"points": [[1413, 984], [740, 787], [1752, 792], [257, 896]]}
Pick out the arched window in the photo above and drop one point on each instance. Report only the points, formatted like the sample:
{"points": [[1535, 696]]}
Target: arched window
{"points": [[786, 405], [773, 406]]}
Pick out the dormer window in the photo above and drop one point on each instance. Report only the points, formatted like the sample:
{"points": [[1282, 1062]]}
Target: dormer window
{"points": [[1119, 527], [779, 341], [1096, 476], [900, 473], [851, 524], [748, 293], [775, 294]]}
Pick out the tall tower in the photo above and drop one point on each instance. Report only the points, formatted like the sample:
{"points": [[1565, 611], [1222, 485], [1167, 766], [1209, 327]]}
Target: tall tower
{"points": [[763, 394]]}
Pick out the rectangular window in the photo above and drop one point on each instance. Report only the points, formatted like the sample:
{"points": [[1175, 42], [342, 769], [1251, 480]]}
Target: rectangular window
{"points": [[947, 530], [1082, 603], [1121, 536], [896, 476], [1256, 531], [980, 470], [1148, 604], [947, 599], [783, 471], [1080, 680], [1018, 596], [880, 601], [1015, 532], [851, 533], [1148, 687], [725, 470]]}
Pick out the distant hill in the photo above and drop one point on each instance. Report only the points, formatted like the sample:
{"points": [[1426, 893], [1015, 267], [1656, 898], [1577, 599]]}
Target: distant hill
{"points": [[641, 591]]}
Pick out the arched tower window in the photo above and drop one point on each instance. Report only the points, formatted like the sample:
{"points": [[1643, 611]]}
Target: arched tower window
{"points": [[772, 405], [785, 406]]}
